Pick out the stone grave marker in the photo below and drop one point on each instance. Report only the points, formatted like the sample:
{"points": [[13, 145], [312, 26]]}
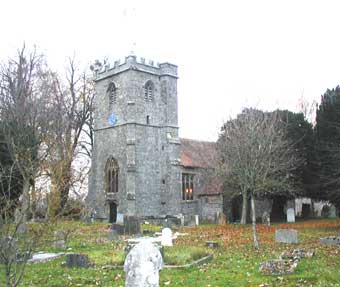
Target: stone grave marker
{"points": [[197, 220], [166, 237], [332, 211], [77, 260], [266, 218], [286, 236], [120, 218], [332, 240], [290, 215], [142, 265], [59, 240]]}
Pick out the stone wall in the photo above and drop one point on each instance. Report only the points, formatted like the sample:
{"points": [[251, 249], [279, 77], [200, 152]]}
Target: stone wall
{"points": [[144, 141]]}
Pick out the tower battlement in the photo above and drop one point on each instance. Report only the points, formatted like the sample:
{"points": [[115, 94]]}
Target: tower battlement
{"points": [[131, 62]]}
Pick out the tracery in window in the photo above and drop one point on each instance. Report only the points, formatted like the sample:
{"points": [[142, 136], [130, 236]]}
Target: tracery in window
{"points": [[111, 175], [148, 91], [112, 93], [187, 186]]}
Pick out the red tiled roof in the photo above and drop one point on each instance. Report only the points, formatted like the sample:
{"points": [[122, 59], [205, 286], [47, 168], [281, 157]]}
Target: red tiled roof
{"points": [[196, 153]]}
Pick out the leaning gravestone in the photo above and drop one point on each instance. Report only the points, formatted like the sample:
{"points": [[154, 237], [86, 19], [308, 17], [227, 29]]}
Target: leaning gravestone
{"points": [[286, 236], [290, 215], [166, 237], [142, 265]]}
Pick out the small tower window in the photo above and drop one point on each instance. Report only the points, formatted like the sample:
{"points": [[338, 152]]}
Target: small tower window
{"points": [[112, 93], [148, 120], [148, 91]]}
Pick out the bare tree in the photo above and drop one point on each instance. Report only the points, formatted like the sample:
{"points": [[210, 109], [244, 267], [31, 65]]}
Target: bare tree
{"points": [[23, 114], [71, 127], [255, 158]]}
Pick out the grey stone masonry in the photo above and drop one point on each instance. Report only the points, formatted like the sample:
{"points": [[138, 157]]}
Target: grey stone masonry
{"points": [[286, 236], [136, 124]]}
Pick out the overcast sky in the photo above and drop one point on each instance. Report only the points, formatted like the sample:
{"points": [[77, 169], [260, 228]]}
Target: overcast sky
{"points": [[230, 54]]}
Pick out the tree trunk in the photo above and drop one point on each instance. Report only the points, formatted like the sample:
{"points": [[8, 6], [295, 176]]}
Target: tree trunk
{"points": [[253, 217], [25, 207], [244, 207]]}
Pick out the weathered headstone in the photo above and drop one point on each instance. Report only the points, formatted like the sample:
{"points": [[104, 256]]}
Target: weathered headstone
{"points": [[142, 265], [166, 237], [266, 218], [290, 215], [277, 267], [77, 260], [197, 220], [59, 240], [286, 236], [120, 218], [332, 240], [332, 211]]}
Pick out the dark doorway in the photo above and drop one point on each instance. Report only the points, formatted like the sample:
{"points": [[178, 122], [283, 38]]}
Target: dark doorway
{"points": [[306, 211], [236, 208], [277, 213], [113, 212]]}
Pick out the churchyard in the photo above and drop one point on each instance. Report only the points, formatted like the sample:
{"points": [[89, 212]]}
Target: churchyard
{"points": [[234, 261]]}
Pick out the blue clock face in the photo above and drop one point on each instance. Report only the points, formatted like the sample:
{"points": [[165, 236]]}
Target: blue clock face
{"points": [[112, 120]]}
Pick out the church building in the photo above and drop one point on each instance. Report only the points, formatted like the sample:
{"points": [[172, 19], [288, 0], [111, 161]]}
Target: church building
{"points": [[140, 166]]}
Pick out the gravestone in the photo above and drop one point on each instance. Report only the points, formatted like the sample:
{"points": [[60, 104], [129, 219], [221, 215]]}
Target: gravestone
{"points": [[297, 254], [59, 240], [130, 226], [332, 240], [142, 265], [77, 260], [286, 236], [166, 237], [120, 218], [290, 215], [197, 220], [266, 218], [332, 211]]}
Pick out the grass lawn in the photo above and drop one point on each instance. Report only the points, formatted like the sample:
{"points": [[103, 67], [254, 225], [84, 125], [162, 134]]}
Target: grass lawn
{"points": [[235, 262]]}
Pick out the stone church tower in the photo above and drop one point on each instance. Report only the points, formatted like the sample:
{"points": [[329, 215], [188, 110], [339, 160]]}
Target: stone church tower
{"points": [[136, 155]]}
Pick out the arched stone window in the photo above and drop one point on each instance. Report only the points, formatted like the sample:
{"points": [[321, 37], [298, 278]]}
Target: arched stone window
{"points": [[149, 91], [111, 176], [112, 93]]}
